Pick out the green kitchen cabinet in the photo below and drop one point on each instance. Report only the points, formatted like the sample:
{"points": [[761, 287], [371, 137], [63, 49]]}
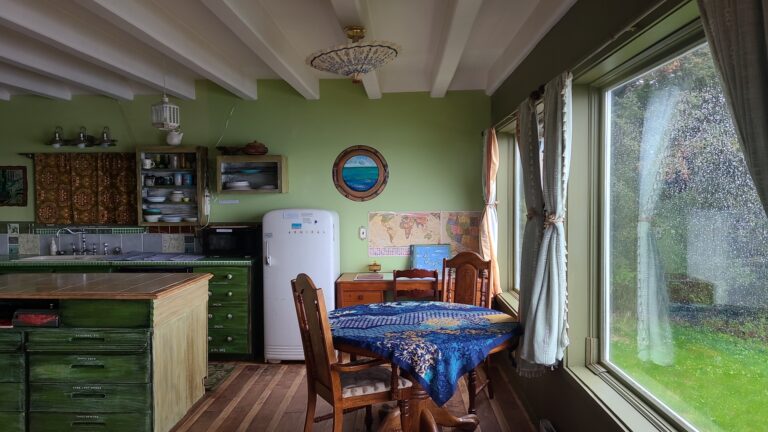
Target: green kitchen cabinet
{"points": [[79, 422], [14, 421], [230, 311], [13, 389]]}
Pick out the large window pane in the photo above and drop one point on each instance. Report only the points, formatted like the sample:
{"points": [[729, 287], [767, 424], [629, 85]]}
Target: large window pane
{"points": [[686, 249]]}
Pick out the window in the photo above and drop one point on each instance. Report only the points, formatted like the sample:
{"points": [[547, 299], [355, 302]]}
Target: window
{"points": [[685, 251]]}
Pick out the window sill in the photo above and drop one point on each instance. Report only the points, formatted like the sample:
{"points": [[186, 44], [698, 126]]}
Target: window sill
{"points": [[628, 411], [509, 302]]}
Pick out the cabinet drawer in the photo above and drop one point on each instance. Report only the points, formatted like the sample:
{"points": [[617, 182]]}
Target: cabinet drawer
{"points": [[13, 421], [12, 367], [87, 340], [351, 298], [10, 340], [232, 317], [223, 294], [89, 368], [105, 313], [12, 397], [226, 275], [228, 341], [98, 398], [82, 422]]}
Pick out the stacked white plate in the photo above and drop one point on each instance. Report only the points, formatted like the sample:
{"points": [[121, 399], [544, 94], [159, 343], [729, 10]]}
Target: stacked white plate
{"points": [[237, 185], [171, 218]]}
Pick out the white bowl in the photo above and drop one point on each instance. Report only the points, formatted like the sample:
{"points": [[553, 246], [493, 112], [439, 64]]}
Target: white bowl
{"points": [[172, 219], [152, 218], [190, 219], [155, 199], [236, 184]]}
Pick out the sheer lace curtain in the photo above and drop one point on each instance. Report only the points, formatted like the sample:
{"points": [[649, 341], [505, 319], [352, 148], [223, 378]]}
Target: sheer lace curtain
{"points": [[489, 228], [543, 290], [737, 32]]}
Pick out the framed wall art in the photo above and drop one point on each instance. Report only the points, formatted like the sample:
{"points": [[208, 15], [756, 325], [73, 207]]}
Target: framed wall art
{"points": [[13, 186], [360, 173]]}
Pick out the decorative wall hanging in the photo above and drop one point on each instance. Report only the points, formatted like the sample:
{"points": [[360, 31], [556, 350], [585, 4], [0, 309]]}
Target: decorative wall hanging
{"points": [[13, 186], [360, 173]]}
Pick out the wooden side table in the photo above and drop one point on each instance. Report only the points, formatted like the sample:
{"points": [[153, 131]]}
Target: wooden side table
{"points": [[350, 292]]}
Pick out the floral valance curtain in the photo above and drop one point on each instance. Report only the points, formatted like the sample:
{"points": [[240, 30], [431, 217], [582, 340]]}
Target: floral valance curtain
{"points": [[85, 188]]}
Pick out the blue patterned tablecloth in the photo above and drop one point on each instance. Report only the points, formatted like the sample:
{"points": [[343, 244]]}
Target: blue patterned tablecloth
{"points": [[435, 342]]}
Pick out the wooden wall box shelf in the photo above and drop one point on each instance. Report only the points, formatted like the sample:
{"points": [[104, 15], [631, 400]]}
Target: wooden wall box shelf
{"points": [[192, 161], [265, 174]]}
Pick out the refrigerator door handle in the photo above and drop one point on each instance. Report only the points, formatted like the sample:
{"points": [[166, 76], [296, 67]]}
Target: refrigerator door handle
{"points": [[267, 256]]}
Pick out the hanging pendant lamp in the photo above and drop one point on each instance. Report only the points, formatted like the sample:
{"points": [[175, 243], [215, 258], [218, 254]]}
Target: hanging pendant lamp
{"points": [[165, 115], [354, 59]]}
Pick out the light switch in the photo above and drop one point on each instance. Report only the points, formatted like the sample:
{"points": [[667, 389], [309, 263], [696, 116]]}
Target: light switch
{"points": [[363, 233]]}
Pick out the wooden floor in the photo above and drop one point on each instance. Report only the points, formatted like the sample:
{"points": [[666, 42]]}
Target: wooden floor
{"points": [[272, 397]]}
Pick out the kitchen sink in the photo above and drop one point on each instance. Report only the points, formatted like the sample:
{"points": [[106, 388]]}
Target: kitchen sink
{"points": [[65, 258]]}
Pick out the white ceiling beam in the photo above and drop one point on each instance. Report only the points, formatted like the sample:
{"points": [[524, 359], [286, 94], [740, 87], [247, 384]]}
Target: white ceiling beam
{"points": [[546, 14], [94, 42], [355, 12], [5, 94], [458, 26], [144, 21], [33, 83], [37, 57], [253, 25]]}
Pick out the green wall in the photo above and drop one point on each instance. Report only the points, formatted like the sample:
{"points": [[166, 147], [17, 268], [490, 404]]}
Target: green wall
{"points": [[432, 145]]}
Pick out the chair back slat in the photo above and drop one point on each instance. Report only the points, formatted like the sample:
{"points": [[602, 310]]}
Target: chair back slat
{"points": [[465, 279], [315, 330], [403, 290]]}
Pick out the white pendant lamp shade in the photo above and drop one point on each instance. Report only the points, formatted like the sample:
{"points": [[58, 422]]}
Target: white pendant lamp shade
{"points": [[165, 115]]}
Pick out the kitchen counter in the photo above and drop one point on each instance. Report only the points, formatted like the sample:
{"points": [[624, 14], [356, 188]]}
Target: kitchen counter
{"points": [[17, 262], [101, 286]]}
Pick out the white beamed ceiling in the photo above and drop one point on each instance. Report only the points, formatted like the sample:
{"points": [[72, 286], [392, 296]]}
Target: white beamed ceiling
{"points": [[123, 48]]}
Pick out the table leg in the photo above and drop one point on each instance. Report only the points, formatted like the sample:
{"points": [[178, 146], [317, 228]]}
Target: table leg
{"points": [[425, 416]]}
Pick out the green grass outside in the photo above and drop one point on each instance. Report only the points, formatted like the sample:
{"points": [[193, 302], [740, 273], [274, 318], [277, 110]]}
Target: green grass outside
{"points": [[718, 382]]}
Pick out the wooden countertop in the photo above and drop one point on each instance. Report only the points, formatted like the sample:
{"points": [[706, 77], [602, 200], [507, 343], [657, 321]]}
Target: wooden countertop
{"points": [[101, 286]]}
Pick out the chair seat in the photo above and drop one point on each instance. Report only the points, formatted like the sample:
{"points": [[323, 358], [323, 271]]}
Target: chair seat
{"points": [[369, 381]]}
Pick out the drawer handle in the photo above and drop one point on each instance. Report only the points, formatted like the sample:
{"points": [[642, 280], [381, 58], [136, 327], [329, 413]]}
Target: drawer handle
{"points": [[230, 293], [229, 316], [229, 276], [210, 293], [210, 338], [89, 395], [88, 423], [359, 296], [229, 338], [210, 316], [87, 338], [87, 366]]}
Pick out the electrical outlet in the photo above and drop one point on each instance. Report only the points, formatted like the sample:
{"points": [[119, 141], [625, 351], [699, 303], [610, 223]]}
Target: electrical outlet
{"points": [[363, 233]]}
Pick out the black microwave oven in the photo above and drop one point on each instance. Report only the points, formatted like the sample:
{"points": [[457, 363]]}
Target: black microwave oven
{"points": [[236, 241]]}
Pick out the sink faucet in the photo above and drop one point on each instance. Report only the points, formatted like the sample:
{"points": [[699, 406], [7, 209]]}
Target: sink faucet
{"points": [[69, 231]]}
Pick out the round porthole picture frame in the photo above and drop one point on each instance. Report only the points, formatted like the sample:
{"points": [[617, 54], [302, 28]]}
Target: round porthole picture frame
{"points": [[360, 173]]}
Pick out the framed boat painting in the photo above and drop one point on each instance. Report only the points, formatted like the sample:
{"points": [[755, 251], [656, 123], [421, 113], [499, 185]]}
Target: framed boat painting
{"points": [[13, 186], [360, 173]]}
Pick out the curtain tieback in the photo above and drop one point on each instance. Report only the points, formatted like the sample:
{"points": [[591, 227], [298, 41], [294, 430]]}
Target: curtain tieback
{"points": [[552, 219]]}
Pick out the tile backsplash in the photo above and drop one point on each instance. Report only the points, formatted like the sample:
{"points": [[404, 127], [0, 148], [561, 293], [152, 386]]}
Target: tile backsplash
{"points": [[39, 244]]}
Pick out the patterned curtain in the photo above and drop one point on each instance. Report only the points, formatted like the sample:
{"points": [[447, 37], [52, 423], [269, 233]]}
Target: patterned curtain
{"points": [[85, 188]]}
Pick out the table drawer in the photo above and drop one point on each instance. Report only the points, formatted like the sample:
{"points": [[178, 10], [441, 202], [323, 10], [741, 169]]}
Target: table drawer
{"points": [[105, 313], [89, 368], [12, 397], [226, 275], [87, 340], [231, 317], [82, 422], [97, 398], [222, 294], [351, 298], [13, 421], [12, 367], [10, 340], [227, 341]]}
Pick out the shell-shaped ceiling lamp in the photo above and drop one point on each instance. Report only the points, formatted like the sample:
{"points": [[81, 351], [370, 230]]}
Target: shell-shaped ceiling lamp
{"points": [[354, 59]]}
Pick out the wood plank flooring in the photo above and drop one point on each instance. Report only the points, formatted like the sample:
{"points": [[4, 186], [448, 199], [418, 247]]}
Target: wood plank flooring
{"points": [[272, 398]]}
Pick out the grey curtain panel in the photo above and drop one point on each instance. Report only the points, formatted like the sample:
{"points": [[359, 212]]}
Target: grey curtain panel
{"points": [[738, 37], [545, 291]]}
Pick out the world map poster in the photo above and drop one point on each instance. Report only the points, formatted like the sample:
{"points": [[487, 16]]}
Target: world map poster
{"points": [[392, 233]]}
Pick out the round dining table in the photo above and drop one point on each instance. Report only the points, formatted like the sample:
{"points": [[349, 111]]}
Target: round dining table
{"points": [[433, 343]]}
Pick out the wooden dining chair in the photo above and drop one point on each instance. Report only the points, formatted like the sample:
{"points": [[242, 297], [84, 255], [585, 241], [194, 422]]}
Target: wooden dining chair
{"points": [[405, 289], [346, 386], [466, 279]]}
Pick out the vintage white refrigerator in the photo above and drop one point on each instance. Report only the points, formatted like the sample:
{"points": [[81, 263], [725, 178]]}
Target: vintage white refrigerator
{"points": [[295, 241]]}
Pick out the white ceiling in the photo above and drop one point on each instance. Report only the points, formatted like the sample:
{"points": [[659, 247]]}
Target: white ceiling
{"points": [[122, 48]]}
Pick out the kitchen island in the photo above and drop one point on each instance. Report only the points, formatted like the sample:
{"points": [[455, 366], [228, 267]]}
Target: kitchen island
{"points": [[129, 352]]}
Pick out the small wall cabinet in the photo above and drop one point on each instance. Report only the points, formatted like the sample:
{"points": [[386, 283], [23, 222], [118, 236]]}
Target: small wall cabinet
{"points": [[171, 185], [251, 174]]}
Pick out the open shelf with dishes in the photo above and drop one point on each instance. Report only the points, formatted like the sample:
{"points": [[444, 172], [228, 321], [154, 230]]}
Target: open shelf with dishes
{"points": [[251, 174], [171, 185]]}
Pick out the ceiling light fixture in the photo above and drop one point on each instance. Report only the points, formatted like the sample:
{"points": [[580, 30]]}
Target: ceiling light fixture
{"points": [[354, 59], [165, 115]]}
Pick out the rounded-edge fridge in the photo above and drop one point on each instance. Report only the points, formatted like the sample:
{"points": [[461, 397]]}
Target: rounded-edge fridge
{"points": [[295, 241]]}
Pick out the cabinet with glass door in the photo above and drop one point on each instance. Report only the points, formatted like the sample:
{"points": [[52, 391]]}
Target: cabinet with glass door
{"points": [[171, 186], [251, 174]]}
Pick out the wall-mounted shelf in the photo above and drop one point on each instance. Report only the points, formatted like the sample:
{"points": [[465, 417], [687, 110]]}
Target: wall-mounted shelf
{"points": [[263, 174], [170, 163]]}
